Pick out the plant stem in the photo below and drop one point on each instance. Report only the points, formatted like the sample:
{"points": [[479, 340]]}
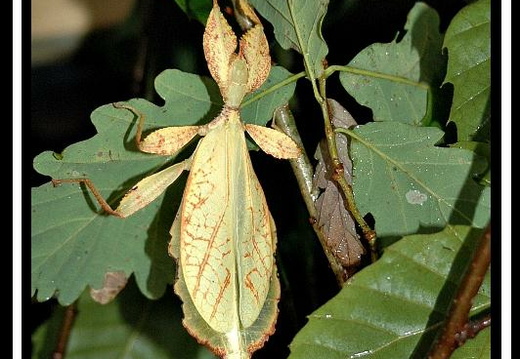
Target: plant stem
{"points": [[304, 173], [66, 327], [457, 321], [273, 88]]}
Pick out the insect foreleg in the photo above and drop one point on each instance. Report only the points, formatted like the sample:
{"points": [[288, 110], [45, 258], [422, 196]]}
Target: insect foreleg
{"points": [[166, 141], [140, 195], [87, 182], [140, 122]]}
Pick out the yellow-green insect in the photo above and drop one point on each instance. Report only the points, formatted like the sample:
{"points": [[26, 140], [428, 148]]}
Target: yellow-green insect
{"points": [[223, 237]]}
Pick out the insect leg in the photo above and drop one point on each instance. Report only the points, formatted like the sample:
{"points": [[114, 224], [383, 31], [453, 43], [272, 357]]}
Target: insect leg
{"points": [[90, 185]]}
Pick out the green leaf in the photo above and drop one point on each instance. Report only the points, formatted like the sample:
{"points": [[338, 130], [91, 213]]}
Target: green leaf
{"points": [[196, 9], [469, 64], [394, 79], [129, 327], [482, 149], [73, 245], [297, 25], [393, 308], [258, 107], [411, 185]]}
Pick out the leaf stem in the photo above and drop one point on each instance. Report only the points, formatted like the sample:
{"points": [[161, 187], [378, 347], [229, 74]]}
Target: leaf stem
{"points": [[457, 321], [353, 70], [273, 88]]}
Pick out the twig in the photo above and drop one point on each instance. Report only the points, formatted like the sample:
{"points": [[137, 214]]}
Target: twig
{"points": [[472, 328], [303, 171], [66, 327], [457, 321]]}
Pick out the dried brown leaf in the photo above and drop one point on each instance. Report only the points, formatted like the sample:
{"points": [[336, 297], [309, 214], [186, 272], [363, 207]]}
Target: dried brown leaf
{"points": [[334, 220], [114, 283]]}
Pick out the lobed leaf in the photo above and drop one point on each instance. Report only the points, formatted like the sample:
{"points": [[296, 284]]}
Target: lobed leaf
{"points": [[410, 185], [393, 79], [73, 244], [393, 308], [469, 70]]}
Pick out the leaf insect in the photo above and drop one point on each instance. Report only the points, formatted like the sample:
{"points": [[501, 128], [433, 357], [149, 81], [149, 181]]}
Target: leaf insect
{"points": [[223, 236]]}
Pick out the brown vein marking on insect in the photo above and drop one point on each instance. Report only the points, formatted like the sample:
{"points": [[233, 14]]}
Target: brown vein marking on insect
{"points": [[212, 40], [162, 140], [226, 253], [250, 285], [201, 199], [207, 254], [223, 287], [256, 229]]}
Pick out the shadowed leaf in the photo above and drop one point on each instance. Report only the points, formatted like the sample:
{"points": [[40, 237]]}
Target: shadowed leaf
{"points": [[129, 327], [393, 308], [469, 70]]}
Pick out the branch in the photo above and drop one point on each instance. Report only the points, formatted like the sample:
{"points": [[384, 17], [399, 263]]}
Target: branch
{"points": [[304, 173], [64, 334], [457, 326]]}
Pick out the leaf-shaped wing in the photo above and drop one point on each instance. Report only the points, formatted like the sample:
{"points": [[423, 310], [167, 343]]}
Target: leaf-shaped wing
{"points": [[224, 239], [226, 236]]}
